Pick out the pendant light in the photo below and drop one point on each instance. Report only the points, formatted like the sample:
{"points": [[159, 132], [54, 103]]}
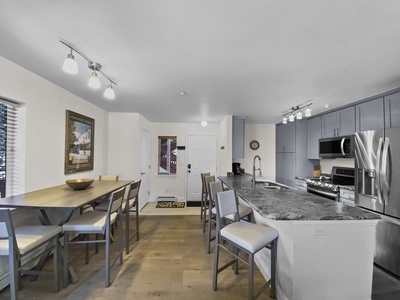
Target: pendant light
{"points": [[307, 112], [299, 115], [70, 66], [109, 92], [94, 81]]}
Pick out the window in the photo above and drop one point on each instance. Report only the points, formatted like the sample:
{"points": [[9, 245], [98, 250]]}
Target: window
{"points": [[167, 155], [10, 178]]}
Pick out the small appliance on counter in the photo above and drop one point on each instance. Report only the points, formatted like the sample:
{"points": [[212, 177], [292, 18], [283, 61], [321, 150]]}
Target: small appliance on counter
{"points": [[236, 168]]}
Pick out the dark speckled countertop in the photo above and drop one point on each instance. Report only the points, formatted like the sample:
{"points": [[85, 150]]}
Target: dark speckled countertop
{"points": [[292, 204]]}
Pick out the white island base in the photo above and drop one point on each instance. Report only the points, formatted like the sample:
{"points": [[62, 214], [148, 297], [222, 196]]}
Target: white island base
{"points": [[321, 260]]}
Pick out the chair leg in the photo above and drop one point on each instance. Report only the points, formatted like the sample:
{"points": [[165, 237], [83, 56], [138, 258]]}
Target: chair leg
{"points": [[274, 252], [121, 244], [251, 276], [209, 231], [14, 280], [65, 269], [137, 221], [107, 258], [216, 257], [55, 264], [127, 230]]}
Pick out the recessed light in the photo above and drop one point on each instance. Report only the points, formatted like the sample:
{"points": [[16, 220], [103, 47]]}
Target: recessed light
{"points": [[182, 93]]}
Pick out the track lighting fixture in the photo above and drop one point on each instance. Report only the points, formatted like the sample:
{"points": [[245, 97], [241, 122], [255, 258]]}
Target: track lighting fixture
{"points": [[299, 114], [70, 66]]}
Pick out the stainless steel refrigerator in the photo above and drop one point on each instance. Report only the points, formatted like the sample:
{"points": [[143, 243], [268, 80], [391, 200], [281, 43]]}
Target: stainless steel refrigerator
{"points": [[377, 164]]}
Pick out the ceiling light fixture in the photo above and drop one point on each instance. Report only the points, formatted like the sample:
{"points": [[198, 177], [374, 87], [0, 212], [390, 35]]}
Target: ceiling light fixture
{"points": [[109, 92], [203, 123], [70, 66], [288, 115]]}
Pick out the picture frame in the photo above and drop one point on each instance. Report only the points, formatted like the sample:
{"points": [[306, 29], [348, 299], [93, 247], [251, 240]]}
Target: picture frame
{"points": [[79, 143]]}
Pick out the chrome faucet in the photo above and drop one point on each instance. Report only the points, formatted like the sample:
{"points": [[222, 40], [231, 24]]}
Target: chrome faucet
{"points": [[254, 168]]}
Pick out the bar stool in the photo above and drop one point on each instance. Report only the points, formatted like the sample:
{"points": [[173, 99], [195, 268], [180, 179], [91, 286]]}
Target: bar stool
{"points": [[245, 212], [203, 193], [244, 236], [207, 180]]}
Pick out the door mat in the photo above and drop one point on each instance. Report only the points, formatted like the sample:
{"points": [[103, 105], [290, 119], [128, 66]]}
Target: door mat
{"points": [[170, 204]]}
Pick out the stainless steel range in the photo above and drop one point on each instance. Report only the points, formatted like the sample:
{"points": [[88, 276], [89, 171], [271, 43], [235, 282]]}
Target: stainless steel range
{"points": [[328, 186]]}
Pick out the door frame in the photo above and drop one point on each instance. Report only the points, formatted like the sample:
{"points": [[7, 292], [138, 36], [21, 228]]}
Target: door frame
{"points": [[186, 158], [141, 204]]}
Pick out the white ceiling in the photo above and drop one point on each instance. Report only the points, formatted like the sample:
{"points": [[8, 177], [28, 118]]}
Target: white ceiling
{"points": [[253, 58]]}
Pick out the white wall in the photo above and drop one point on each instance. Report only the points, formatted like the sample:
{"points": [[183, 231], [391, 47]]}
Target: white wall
{"points": [[265, 135], [46, 105]]}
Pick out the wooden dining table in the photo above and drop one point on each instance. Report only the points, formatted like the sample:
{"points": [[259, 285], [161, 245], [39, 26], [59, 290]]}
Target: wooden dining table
{"points": [[64, 198]]}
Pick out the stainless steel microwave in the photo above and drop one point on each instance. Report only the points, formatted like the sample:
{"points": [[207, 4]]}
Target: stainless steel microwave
{"points": [[336, 147]]}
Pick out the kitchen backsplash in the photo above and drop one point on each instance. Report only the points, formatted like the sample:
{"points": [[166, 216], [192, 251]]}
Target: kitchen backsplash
{"points": [[327, 164]]}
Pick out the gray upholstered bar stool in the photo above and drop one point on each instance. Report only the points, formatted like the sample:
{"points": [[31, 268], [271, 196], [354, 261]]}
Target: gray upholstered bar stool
{"points": [[243, 236], [245, 212], [203, 193]]}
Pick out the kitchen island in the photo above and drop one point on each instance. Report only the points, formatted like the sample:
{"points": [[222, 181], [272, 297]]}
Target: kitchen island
{"points": [[325, 248]]}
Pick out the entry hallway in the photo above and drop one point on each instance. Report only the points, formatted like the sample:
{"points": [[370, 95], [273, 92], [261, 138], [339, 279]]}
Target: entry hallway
{"points": [[169, 262]]}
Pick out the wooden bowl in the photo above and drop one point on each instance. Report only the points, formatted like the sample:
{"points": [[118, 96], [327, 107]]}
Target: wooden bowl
{"points": [[79, 184]]}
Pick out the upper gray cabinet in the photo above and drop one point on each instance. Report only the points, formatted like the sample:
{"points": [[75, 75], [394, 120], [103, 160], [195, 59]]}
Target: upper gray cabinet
{"points": [[392, 110], [313, 136], [370, 115], [285, 137], [340, 122], [238, 137]]}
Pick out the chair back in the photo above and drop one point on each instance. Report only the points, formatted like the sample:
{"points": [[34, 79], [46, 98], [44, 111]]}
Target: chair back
{"points": [[109, 177], [207, 181], [226, 203], [132, 195], [6, 226], [214, 188], [203, 184], [7, 231], [116, 199]]}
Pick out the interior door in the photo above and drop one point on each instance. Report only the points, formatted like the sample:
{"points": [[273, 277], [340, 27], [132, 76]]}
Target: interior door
{"points": [[201, 157], [144, 192]]}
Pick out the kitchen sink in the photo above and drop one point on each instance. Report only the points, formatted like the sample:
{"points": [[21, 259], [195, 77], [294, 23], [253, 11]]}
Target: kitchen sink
{"points": [[268, 184]]}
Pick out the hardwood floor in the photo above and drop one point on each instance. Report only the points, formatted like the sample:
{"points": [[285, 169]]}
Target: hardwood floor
{"points": [[169, 262]]}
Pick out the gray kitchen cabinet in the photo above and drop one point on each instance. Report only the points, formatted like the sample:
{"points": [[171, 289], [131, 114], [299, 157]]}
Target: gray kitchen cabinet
{"points": [[370, 115], [285, 137], [291, 157], [392, 110], [238, 124], [340, 122], [313, 136]]}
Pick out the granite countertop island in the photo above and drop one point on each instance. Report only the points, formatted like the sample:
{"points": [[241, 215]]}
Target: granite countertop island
{"points": [[291, 204], [325, 248]]}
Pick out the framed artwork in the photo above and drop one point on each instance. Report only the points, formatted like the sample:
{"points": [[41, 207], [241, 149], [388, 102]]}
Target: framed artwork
{"points": [[79, 143]]}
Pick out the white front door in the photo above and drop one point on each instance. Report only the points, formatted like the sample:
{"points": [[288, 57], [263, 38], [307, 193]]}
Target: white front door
{"points": [[201, 157], [144, 191]]}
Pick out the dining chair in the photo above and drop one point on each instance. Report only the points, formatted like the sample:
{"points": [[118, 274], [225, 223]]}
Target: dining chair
{"points": [[245, 212], [131, 200], [203, 193], [98, 223], [243, 236], [24, 245]]}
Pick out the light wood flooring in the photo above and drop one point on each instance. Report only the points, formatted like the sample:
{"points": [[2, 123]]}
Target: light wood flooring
{"points": [[169, 262]]}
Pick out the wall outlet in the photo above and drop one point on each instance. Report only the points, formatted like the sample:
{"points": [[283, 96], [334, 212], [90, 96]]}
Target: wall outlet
{"points": [[320, 231]]}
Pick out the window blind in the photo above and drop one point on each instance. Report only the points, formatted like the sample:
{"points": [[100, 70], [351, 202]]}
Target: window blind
{"points": [[8, 149]]}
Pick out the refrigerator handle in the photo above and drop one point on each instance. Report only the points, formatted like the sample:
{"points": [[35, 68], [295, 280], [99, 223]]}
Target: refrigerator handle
{"points": [[385, 170], [341, 146], [378, 184]]}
